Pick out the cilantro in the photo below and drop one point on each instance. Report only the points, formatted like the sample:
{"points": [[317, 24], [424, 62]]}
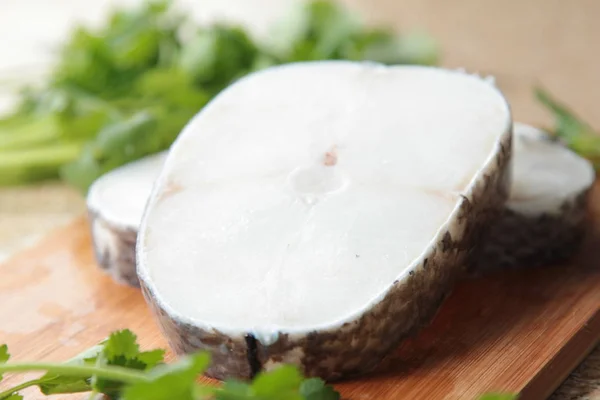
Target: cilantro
{"points": [[217, 55], [119, 350], [281, 383], [322, 30], [315, 389], [55, 383], [176, 381], [4, 356], [499, 396], [117, 368], [121, 344], [122, 349], [578, 135], [126, 89], [151, 358], [234, 390]]}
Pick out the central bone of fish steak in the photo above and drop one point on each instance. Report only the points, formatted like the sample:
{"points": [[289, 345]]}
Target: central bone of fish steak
{"points": [[317, 213]]}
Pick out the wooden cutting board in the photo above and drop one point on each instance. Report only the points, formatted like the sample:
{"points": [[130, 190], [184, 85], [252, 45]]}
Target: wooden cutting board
{"points": [[521, 331]]}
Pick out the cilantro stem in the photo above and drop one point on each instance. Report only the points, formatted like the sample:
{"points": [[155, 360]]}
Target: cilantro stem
{"points": [[18, 387], [115, 373]]}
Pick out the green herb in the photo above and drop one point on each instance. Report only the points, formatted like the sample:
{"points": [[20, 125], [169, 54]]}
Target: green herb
{"points": [[176, 381], [315, 389], [569, 128], [281, 384], [499, 396], [125, 90], [121, 349], [117, 368], [75, 375], [321, 30], [4, 356]]}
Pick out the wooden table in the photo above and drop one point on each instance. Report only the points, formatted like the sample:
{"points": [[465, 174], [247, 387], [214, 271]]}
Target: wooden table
{"points": [[521, 43]]}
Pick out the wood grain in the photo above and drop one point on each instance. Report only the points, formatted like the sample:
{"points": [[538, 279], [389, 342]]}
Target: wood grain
{"points": [[520, 331]]}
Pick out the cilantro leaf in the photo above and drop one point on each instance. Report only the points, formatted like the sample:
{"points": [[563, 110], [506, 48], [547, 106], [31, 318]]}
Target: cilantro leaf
{"points": [[578, 135], [384, 47], [234, 390], [122, 349], [321, 30], [568, 125], [332, 26], [145, 132], [499, 396], [14, 396], [217, 55], [283, 383], [171, 88], [175, 381], [280, 383], [121, 343], [121, 141], [315, 389], [4, 355], [52, 383], [204, 392], [108, 60], [151, 358], [314, 30]]}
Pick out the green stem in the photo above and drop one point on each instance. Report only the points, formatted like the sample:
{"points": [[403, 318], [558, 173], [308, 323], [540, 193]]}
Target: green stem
{"points": [[21, 386], [114, 373], [28, 165]]}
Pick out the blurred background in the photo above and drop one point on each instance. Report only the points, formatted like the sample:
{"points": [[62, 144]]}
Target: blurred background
{"points": [[522, 43]]}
